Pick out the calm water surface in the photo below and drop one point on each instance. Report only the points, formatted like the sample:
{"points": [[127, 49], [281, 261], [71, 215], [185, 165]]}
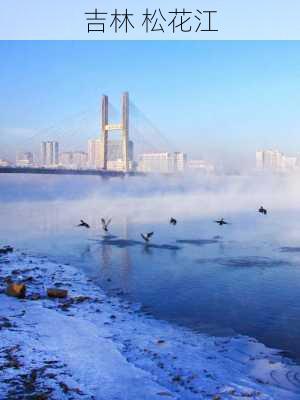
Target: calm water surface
{"points": [[240, 278]]}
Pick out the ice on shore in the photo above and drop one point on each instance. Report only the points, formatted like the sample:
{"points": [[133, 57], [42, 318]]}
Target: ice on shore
{"points": [[91, 346]]}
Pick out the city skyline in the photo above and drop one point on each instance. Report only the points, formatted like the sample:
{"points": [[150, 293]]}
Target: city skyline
{"points": [[229, 101], [108, 153], [165, 162]]}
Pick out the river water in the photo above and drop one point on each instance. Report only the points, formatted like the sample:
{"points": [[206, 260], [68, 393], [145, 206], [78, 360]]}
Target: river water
{"points": [[241, 278]]}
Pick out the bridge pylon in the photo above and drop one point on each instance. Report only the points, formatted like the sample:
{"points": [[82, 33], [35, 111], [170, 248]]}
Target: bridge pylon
{"points": [[106, 127]]}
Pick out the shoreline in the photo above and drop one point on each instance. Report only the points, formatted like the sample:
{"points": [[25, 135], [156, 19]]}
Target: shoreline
{"points": [[95, 346]]}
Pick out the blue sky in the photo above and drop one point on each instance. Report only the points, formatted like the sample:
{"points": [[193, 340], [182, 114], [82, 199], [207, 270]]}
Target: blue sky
{"points": [[219, 100]]}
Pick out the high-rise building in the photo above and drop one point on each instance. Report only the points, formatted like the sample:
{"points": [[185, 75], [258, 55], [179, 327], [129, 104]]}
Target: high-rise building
{"points": [[75, 160], [162, 162], [114, 154], [290, 163], [49, 153], [180, 161], [115, 150], [66, 159], [202, 166], [95, 159], [274, 160], [79, 159], [24, 159], [259, 159]]}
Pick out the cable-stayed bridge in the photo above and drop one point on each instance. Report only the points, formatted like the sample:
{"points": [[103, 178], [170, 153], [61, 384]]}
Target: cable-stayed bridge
{"points": [[128, 123]]}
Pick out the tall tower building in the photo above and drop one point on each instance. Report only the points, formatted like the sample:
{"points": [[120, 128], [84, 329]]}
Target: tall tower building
{"points": [[259, 159], [55, 153], [43, 153], [49, 153], [95, 153]]}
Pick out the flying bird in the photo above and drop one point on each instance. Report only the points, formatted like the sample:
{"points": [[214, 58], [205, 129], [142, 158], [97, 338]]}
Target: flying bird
{"points": [[83, 224], [221, 222], [147, 236], [173, 221], [262, 210], [105, 224]]}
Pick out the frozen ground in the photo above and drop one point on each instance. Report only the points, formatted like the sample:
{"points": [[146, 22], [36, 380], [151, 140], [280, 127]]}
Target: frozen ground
{"points": [[90, 346]]}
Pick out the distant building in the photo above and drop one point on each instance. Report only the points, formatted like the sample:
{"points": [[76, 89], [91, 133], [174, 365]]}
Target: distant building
{"points": [[274, 160], [259, 159], [118, 165], [114, 154], [269, 159], [74, 160], [4, 163], [24, 159], [66, 159], [50, 154], [202, 166], [180, 162], [95, 149], [115, 150], [290, 163], [156, 162], [79, 159], [164, 162]]}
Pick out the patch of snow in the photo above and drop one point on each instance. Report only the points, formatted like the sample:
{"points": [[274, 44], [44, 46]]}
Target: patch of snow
{"points": [[91, 346]]}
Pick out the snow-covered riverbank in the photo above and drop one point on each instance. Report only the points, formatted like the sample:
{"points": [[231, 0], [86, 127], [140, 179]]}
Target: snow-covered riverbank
{"points": [[91, 346]]}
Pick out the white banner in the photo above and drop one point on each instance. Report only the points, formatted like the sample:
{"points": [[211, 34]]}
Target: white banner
{"points": [[149, 20]]}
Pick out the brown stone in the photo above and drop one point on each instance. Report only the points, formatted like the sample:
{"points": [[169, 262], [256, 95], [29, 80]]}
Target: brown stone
{"points": [[57, 293], [16, 290]]}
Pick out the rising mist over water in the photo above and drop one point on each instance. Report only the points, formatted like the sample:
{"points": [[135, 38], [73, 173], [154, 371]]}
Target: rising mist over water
{"points": [[186, 195]]}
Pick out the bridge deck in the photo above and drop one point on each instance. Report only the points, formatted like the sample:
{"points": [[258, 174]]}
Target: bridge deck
{"points": [[61, 171]]}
